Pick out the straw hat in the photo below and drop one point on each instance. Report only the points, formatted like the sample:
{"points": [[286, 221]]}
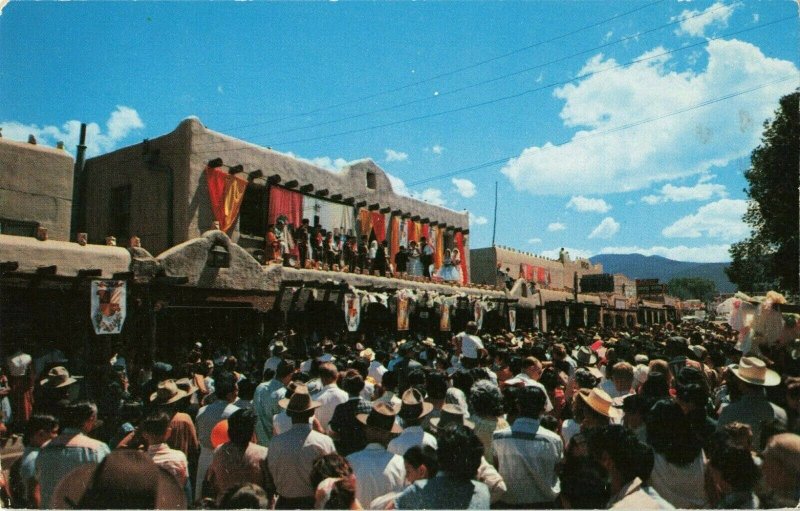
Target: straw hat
{"points": [[300, 401], [754, 370], [584, 356], [59, 377], [368, 354], [167, 392], [451, 414], [125, 475], [413, 405], [600, 402], [382, 417]]}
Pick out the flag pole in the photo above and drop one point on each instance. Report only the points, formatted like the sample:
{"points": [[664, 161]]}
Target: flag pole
{"points": [[494, 227]]}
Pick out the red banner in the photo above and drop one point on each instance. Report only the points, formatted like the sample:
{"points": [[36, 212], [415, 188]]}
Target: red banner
{"points": [[379, 225], [459, 241], [285, 202], [226, 193]]}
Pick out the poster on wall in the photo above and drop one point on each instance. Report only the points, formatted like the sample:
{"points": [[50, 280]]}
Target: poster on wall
{"points": [[403, 304], [352, 312], [512, 319], [444, 318], [108, 306]]}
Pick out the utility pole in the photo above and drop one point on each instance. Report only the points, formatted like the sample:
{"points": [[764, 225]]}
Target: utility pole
{"points": [[494, 227], [78, 215]]}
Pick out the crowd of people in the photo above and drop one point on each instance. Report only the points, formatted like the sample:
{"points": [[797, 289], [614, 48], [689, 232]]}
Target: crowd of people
{"points": [[651, 417]]}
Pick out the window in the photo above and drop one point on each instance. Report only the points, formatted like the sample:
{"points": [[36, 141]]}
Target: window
{"points": [[372, 180], [119, 208], [18, 227], [253, 214]]}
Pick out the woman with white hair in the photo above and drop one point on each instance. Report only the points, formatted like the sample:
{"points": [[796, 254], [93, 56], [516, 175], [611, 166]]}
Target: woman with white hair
{"points": [[486, 403]]}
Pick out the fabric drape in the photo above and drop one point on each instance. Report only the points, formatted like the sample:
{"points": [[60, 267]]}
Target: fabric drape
{"points": [[439, 247], [364, 222], [226, 193], [379, 225], [285, 202], [333, 215], [394, 237], [459, 240], [425, 231]]}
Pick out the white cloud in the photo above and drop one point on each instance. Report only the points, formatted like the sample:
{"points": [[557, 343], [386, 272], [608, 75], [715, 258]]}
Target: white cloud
{"points": [[720, 219], [398, 185], [756, 17], [324, 162], [588, 205], [220, 89], [431, 196], [437, 149], [703, 254], [574, 253], [694, 25], [478, 220], [392, 155], [699, 192], [556, 226], [534, 241], [672, 147], [465, 187], [119, 125], [605, 229]]}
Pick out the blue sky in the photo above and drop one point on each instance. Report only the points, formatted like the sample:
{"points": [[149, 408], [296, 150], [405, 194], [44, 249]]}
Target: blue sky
{"points": [[614, 126]]}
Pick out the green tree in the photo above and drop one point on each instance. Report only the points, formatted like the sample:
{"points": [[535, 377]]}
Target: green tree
{"points": [[769, 257], [692, 288]]}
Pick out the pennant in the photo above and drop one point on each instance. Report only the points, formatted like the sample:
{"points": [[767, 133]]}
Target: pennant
{"points": [[226, 193], [444, 317], [108, 306], [403, 306], [352, 312]]}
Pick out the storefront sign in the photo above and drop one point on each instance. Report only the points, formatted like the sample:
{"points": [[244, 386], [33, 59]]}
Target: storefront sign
{"points": [[108, 306]]}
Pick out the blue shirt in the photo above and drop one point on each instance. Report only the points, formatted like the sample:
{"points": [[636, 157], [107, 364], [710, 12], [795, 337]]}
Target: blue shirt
{"points": [[265, 404], [444, 491], [63, 454]]}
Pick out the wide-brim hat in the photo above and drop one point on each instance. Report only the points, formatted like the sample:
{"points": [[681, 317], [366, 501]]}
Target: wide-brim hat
{"points": [[451, 414], [413, 405], [368, 354], [278, 347], [59, 377], [429, 342], [584, 356], [382, 417], [187, 385], [300, 401], [167, 392], [599, 401], [754, 370], [125, 475]]}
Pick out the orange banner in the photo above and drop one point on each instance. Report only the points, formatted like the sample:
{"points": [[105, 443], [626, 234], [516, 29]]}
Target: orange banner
{"points": [[226, 192]]}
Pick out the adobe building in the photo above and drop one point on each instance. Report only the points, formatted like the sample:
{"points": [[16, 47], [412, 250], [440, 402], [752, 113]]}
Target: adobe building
{"points": [[545, 273], [35, 189], [158, 190]]}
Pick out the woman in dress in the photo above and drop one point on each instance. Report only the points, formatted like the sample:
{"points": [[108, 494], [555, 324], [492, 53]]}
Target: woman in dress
{"points": [[414, 265]]}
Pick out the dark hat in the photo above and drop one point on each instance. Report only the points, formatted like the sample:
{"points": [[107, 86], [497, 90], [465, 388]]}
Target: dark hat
{"points": [[59, 377], [451, 414], [634, 403], [382, 416], [125, 479], [300, 401], [413, 405], [584, 356]]}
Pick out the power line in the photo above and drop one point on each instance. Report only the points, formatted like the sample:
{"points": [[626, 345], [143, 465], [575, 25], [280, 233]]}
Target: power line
{"points": [[451, 72]]}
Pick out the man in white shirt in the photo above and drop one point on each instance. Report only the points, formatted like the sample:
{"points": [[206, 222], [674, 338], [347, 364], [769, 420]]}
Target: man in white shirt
{"points": [[412, 411], [526, 455], [470, 346], [377, 470], [330, 396], [376, 368], [278, 349], [529, 377]]}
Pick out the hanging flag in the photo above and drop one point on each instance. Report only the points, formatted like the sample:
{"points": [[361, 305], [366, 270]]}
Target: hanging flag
{"points": [[478, 312], [287, 203], [378, 225], [364, 222], [108, 306], [444, 317], [352, 311], [403, 306], [459, 240], [403, 229], [226, 193], [394, 238], [512, 319], [439, 247]]}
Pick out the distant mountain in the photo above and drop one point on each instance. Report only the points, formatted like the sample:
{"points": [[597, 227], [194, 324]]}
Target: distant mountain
{"points": [[637, 266]]}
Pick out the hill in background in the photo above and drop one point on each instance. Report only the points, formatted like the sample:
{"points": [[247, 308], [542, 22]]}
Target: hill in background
{"points": [[637, 266]]}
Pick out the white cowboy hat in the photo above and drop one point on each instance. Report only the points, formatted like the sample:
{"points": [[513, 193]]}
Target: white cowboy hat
{"points": [[754, 370]]}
